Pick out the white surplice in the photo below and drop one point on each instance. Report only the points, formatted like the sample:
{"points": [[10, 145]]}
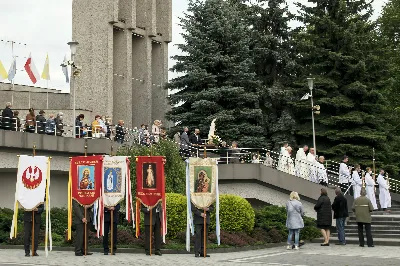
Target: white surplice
{"points": [[301, 167], [312, 173], [370, 187], [384, 195], [357, 184], [344, 173], [283, 156], [321, 173]]}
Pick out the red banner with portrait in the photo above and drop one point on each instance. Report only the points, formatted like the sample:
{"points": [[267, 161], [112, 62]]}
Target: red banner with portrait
{"points": [[86, 178], [150, 186]]}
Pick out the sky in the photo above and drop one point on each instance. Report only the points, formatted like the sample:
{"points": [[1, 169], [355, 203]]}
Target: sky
{"points": [[43, 27]]}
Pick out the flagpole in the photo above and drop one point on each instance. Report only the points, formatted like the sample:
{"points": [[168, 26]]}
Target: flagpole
{"points": [[47, 94], [12, 81], [33, 213]]}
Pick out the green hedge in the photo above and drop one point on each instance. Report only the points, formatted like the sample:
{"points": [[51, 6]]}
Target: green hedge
{"points": [[176, 214], [274, 218]]}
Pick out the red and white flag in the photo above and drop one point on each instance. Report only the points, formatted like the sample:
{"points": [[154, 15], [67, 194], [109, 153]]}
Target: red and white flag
{"points": [[31, 69]]}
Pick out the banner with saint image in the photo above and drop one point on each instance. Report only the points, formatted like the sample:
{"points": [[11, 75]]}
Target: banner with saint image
{"points": [[150, 187], [201, 190]]}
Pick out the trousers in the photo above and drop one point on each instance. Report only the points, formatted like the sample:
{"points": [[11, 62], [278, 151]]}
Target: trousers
{"points": [[107, 230], [199, 238], [80, 238], [340, 229], [370, 241], [28, 235], [156, 230]]}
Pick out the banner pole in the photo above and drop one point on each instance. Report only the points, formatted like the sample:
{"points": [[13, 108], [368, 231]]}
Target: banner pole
{"points": [[151, 227], [33, 233], [85, 233], [34, 149], [205, 151], [205, 241], [85, 147], [112, 232]]}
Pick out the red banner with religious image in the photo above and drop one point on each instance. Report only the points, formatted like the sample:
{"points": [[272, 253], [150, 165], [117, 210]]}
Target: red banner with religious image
{"points": [[86, 178], [150, 186]]}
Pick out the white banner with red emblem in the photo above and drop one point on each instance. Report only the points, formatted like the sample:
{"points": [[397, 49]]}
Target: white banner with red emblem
{"points": [[32, 190]]}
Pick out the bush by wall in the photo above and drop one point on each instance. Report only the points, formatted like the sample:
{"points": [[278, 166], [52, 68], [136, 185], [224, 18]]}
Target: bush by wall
{"points": [[176, 214]]}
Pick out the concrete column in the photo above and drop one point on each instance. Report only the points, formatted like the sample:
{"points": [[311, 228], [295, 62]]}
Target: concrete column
{"points": [[159, 78], [164, 19], [122, 84], [142, 82], [127, 13]]}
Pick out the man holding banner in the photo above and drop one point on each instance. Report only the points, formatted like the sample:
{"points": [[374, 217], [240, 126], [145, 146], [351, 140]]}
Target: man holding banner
{"points": [[115, 188], [150, 199], [201, 192], [29, 224], [84, 191], [33, 182]]}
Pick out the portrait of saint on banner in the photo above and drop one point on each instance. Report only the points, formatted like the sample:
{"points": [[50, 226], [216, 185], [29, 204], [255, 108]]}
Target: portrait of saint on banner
{"points": [[203, 179], [112, 179], [149, 172], [86, 174]]}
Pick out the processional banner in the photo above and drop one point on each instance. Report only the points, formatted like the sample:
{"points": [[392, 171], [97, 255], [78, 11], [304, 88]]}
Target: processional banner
{"points": [[32, 190], [84, 185], [116, 185], [201, 190], [150, 187]]}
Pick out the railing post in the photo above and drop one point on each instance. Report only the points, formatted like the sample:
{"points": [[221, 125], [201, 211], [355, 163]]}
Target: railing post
{"points": [[227, 159]]}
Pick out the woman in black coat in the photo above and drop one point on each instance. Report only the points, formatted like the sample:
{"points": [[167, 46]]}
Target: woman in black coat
{"points": [[324, 215]]}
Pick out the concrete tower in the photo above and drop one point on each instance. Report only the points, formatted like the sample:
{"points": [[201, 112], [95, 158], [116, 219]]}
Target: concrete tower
{"points": [[123, 51]]}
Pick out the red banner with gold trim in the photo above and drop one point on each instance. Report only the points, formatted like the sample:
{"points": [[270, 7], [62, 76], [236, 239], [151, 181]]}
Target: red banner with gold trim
{"points": [[150, 187], [86, 178]]}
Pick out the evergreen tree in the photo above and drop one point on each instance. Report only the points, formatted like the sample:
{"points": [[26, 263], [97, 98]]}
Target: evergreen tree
{"points": [[217, 78], [339, 48], [274, 53]]}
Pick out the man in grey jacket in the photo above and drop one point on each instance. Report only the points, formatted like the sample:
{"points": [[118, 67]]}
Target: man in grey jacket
{"points": [[362, 207], [185, 144]]}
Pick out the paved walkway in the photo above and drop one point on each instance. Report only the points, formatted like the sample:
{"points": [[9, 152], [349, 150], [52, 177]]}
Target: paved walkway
{"points": [[309, 255]]}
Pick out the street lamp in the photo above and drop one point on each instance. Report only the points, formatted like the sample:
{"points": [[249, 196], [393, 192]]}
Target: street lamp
{"points": [[313, 108], [76, 70]]}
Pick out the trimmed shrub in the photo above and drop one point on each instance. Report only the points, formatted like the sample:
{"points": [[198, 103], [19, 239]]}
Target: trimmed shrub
{"points": [[235, 214], [176, 214]]}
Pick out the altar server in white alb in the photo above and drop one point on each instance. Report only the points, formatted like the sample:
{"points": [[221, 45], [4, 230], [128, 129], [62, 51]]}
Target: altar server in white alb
{"points": [[321, 172], [311, 162], [344, 174], [370, 187], [385, 199], [301, 157], [357, 182], [283, 156]]}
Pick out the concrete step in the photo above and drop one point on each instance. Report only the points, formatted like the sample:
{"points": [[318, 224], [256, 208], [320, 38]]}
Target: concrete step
{"points": [[376, 222], [355, 235], [376, 231], [388, 217], [377, 241], [394, 226]]}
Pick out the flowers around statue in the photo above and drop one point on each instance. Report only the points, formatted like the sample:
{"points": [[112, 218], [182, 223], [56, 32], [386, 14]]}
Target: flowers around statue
{"points": [[215, 140]]}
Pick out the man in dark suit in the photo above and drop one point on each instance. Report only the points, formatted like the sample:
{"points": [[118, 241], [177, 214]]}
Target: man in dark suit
{"points": [[199, 228], [185, 144], [196, 141], [340, 213], [37, 212], [79, 222], [107, 226], [156, 228]]}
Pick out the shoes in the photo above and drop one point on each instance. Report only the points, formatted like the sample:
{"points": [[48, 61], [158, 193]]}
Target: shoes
{"points": [[197, 255], [289, 247], [105, 253], [35, 254], [158, 253], [89, 253], [202, 255], [371, 246], [362, 246], [147, 253], [296, 248], [340, 244], [27, 254], [325, 245], [78, 254]]}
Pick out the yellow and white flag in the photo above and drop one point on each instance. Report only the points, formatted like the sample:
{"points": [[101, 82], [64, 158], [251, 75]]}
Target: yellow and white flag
{"points": [[3, 72], [32, 190], [46, 69]]}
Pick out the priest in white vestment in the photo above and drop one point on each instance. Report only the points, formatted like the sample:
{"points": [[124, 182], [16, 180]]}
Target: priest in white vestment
{"points": [[300, 165], [356, 182], [321, 172], [282, 157], [370, 187], [385, 199], [344, 174], [311, 163]]}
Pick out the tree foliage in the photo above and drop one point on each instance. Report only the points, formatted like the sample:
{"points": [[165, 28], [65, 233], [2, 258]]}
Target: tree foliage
{"points": [[217, 78]]}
